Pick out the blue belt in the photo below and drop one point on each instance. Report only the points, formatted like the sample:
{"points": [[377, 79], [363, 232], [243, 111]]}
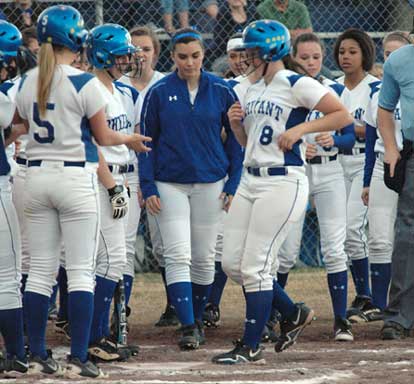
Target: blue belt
{"points": [[131, 168], [21, 161], [318, 159], [276, 171], [351, 151], [38, 163]]}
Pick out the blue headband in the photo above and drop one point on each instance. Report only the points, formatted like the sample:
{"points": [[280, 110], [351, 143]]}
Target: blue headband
{"points": [[180, 36]]}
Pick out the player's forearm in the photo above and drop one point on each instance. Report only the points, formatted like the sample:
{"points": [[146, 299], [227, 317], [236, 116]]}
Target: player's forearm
{"points": [[104, 174], [386, 127], [333, 121], [240, 134]]}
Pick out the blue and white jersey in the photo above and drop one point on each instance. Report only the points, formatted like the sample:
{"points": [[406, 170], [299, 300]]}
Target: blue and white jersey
{"points": [[347, 137], [7, 108], [187, 146], [272, 109], [129, 96], [118, 120], [241, 86], [359, 100], [64, 132], [4, 163]]}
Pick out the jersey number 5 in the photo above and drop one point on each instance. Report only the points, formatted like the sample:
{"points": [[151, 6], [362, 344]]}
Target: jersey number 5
{"points": [[266, 136], [44, 124]]}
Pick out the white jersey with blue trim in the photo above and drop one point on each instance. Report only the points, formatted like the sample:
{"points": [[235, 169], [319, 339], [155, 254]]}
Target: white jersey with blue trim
{"points": [[118, 120], [359, 100], [7, 108], [340, 91], [272, 109], [155, 77], [64, 132], [241, 88], [371, 119]]}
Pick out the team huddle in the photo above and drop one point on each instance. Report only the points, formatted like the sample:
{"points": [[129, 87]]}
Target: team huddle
{"points": [[91, 134]]}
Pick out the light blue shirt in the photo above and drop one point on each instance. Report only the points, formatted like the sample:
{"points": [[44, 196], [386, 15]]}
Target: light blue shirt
{"points": [[398, 84]]}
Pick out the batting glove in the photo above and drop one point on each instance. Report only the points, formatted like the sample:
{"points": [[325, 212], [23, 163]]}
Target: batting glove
{"points": [[118, 197]]}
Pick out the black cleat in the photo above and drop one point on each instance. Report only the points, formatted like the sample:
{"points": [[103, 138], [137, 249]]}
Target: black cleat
{"points": [[48, 366], [343, 330], [13, 368], [211, 316], [355, 312], [168, 318], [190, 338], [394, 331], [76, 368], [200, 332], [107, 351], [290, 329], [240, 354]]}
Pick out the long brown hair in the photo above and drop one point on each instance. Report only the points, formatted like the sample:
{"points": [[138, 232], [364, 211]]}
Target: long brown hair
{"points": [[47, 65]]}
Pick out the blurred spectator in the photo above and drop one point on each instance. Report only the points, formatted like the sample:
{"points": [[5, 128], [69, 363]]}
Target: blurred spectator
{"points": [[182, 7], [233, 17], [292, 13], [236, 57], [211, 8], [377, 70], [30, 39], [23, 13], [2, 15]]}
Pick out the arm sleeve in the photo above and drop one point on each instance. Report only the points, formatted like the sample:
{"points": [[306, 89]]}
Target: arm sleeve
{"points": [[346, 140], [232, 148], [7, 108], [390, 90], [150, 126], [92, 98], [370, 139], [308, 92]]}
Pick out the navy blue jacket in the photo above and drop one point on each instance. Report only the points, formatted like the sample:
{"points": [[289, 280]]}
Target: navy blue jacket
{"points": [[187, 146]]}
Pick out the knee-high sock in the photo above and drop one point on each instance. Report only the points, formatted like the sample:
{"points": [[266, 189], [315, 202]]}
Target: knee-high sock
{"points": [[164, 280], [282, 302], [36, 310], [63, 294], [338, 289], [201, 293], [220, 279], [104, 292], [258, 305], [11, 327], [80, 305], [361, 276], [282, 279], [380, 283], [128, 282], [182, 300]]}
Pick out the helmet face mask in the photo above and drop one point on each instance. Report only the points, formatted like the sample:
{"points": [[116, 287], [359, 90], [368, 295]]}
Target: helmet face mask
{"points": [[129, 65]]}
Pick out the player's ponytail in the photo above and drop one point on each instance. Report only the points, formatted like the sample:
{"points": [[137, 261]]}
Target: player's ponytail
{"points": [[47, 64], [290, 63]]}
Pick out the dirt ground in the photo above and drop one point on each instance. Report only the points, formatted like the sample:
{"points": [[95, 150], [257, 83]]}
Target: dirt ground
{"points": [[315, 359]]}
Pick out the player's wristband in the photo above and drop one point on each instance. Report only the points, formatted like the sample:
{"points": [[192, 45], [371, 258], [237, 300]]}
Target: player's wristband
{"points": [[114, 190]]}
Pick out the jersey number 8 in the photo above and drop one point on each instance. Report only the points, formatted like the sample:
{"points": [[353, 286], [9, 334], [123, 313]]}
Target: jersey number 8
{"points": [[266, 136]]}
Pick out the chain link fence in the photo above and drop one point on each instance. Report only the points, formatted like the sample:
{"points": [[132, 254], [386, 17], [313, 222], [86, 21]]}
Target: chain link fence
{"points": [[215, 21]]}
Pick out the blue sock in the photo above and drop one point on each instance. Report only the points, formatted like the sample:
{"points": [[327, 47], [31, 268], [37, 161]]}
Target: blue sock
{"points": [[54, 294], [11, 327], [361, 279], [282, 302], [181, 299], [220, 279], [338, 288], [201, 293], [36, 306], [80, 304], [258, 306], [164, 280], [128, 281], [63, 294], [104, 292], [282, 279], [380, 282]]}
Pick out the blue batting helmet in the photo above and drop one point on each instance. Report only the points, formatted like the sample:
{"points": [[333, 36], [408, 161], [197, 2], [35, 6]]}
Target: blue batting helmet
{"points": [[270, 37], [106, 42], [10, 41], [62, 25]]}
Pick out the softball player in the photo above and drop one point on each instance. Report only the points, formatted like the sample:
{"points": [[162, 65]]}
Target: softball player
{"points": [[381, 201], [110, 51], [62, 109], [183, 180], [327, 188], [273, 190], [355, 54], [11, 314], [142, 81]]}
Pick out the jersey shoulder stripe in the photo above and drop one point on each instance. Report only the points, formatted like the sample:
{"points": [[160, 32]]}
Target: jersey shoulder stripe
{"points": [[338, 88], [5, 87], [232, 83], [79, 81], [375, 87], [294, 78], [122, 87], [23, 79]]}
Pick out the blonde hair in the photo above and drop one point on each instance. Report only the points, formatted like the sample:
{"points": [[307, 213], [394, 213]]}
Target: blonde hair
{"points": [[47, 65]]}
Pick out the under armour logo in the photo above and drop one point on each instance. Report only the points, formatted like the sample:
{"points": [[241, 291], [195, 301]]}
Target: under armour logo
{"points": [[252, 321], [336, 287], [172, 98]]}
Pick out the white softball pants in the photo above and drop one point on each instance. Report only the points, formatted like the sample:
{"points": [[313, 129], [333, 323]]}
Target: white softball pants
{"points": [[10, 251], [188, 225], [382, 213], [111, 259], [61, 203], [356, 244], [134, 213], [257, 224]]}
